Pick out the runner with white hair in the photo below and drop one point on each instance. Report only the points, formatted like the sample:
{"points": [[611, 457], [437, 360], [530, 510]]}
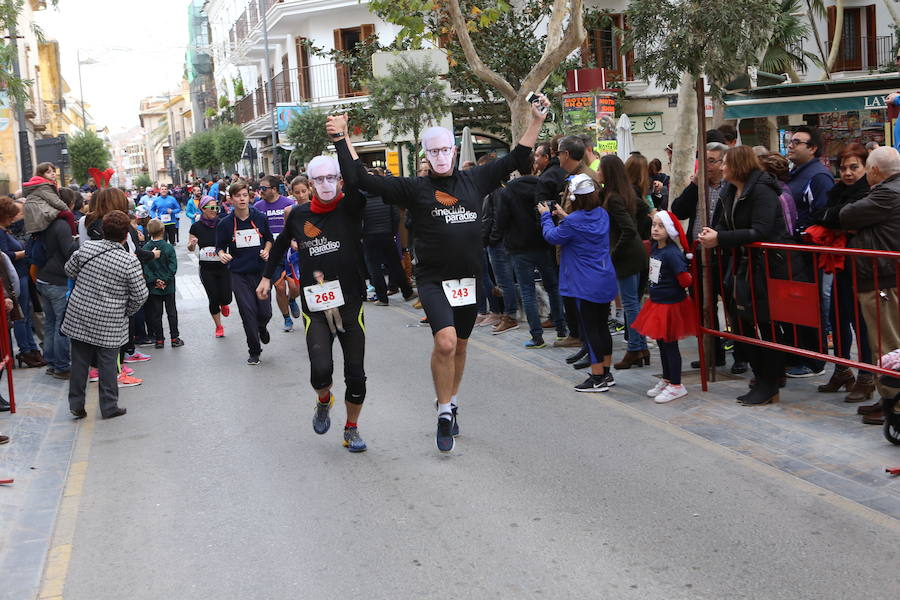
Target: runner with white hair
{"points": [[445, 207], [327, 232]]}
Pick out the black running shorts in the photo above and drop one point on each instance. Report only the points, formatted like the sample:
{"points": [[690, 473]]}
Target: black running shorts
{"points": [[440, 314]]}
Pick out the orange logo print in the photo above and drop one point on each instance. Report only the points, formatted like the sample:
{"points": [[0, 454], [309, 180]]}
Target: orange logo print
{"points": [[311, 230], [445, 199]]}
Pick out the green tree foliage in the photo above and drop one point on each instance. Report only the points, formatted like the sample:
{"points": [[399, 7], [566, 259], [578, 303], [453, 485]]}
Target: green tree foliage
{"points": [[409, 99], [203, 150], [87, 150], [183, 155], [698, 37], [784, 53], [229, 144], [306, 132], [142, 181], [16, 87]]}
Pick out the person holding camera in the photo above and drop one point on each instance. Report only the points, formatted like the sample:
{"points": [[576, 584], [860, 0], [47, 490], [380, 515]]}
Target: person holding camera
{"points": [[445, 208]]}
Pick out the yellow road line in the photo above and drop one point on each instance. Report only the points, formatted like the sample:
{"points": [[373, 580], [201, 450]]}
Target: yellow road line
{"points": [[58, 558]]}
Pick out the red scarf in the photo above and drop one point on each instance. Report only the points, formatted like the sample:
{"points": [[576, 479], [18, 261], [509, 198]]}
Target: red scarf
{"points": [[319, 207]]}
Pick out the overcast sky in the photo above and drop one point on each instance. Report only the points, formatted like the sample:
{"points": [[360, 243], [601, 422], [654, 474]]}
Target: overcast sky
{"points": [[139, 46]]}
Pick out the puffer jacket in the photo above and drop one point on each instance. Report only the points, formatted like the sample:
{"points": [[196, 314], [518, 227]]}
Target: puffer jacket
{"points": [[585, 268], [42, 204], [876, 220]]}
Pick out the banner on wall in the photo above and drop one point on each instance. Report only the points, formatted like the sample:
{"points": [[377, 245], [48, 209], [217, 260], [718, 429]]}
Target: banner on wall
{"points": [[606, 123], [593, 112]]}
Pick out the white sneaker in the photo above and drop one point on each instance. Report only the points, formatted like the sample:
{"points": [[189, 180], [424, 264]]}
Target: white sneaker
{"points": [[656, 389], [672, 392]]}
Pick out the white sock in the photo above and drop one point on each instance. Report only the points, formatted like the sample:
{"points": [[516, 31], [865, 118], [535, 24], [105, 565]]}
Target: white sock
{"points": [[619, 315], [454, 402], [444, 411]]}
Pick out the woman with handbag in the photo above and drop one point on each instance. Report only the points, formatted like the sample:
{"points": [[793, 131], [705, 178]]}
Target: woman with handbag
{"points": [[751, 212]]}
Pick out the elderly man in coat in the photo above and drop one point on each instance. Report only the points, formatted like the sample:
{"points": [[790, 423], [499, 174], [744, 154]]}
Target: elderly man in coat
{"points": [[109, 288]]}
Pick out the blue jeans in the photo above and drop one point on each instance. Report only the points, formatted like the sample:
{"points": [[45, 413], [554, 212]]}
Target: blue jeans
{"points": [[56, 345], [489, 302], [503, 273], [524, 264], [631, 306], [22, 327]]}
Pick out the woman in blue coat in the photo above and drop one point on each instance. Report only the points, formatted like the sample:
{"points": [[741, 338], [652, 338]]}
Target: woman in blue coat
{"points": [[586, 272]]}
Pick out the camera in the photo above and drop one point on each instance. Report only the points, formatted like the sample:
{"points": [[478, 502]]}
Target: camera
{"points": [[534, 98]]}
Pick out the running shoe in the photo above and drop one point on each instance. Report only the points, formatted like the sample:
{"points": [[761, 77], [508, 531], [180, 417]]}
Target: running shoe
{"points": [[295, 308], [143, 342], [177, 343], [322, 419], [352, 441], [226, 310], [381, 303], [444, 435], [288, 326], [671, 392], [594, 383], [423, 321], [616, 327], [455, 429], [220, 332], [137, 357], [93, 375], [264, 335], [608, 378], [657, 389], [412, 296], [561, 334], [253, 360], [535, 344], [802, 371], [127, 370], [125, 381], [160, 344]]}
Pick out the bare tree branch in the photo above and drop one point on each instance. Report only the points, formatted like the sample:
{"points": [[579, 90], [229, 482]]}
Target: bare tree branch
{"points": [[570, 41], [478, 67]]}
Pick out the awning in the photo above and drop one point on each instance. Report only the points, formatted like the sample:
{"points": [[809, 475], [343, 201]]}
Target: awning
{"points": [[837, 95]]}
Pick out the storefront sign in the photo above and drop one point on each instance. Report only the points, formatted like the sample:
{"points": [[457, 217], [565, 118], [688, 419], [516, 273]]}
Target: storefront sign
{"points": [[646, 123], [285, 113], [393, 162], [579, 111]]}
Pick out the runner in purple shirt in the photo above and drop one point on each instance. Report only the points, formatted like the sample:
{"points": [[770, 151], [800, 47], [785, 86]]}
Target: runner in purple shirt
{"points": [[276, 209]]}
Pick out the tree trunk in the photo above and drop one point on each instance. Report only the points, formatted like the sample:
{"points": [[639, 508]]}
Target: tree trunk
{"points": [[836, 36], [815, 30], [892, 10], [684, 145], [792, 74], [520, 116]]}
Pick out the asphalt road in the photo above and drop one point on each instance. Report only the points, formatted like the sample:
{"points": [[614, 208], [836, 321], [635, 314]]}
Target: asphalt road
{"points": [[215, 486]]}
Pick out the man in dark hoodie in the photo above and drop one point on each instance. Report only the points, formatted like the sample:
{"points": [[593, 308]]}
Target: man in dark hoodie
{"points": [[809, 183]]}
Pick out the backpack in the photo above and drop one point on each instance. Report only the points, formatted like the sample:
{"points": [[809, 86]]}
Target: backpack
{"points": [[36, 249]]}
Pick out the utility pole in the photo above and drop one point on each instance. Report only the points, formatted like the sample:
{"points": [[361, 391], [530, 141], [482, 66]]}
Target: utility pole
{"points": [[270, 89], [81, 91], [24, 146]]}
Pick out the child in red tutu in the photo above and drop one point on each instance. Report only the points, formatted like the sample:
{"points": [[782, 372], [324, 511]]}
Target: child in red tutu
{"points": [[670, 314]]}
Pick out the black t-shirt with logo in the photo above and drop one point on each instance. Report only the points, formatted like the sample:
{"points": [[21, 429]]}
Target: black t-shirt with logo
{"points": [[327, 242], [206, 238], [445, 211]]}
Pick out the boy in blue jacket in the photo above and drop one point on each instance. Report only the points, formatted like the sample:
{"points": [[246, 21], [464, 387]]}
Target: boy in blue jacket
{"points": [[160, 276]]}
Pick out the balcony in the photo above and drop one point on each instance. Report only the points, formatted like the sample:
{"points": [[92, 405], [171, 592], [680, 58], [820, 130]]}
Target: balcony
{"points": [[862, 53], [317, 84]]}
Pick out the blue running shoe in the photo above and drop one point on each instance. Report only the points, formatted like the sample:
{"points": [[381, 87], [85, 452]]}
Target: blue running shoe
{"points": [[455, 429], [288, 324], [444, 436], [352, 441], [535, 344], [295, 308], [322, 419]]}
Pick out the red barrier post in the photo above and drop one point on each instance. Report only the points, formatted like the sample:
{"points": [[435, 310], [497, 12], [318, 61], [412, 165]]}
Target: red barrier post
{"points": [[6, 356]]}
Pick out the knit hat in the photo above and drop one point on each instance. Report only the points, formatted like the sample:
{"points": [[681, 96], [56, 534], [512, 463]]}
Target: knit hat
{"points": [[579, 185], [206, 200], [675, 231]]}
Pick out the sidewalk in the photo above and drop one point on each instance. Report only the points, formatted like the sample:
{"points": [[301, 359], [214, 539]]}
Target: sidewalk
{"points": [[815, 437], [37, 456]]}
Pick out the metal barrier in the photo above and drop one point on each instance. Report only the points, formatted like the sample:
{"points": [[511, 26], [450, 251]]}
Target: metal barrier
{"points": [[6, 353], [793, 299]]}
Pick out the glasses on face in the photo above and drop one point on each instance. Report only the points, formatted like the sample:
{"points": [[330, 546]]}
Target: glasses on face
{"points": [[896, 58], [323, 178], [797, 142], [264, 188], [713, 161], [213, 207], [435, 152]]}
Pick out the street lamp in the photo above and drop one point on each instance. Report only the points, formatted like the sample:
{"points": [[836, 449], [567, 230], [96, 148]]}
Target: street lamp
{"points": [[87, 61]]}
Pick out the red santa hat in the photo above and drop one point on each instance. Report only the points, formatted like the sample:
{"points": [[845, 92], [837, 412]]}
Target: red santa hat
{"points": [[675, 231]]}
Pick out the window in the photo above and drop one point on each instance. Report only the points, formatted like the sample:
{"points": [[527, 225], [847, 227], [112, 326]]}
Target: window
{"points": [[303, 69], [603, 48], [348, 40], [860, 46]]}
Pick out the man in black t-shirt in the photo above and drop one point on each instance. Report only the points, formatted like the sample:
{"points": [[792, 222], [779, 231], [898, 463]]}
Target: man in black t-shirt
{"points": [[327, 231], [445, 208]]}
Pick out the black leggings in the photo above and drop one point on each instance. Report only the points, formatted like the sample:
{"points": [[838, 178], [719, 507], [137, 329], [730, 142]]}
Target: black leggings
{"points": [[319, 340], [593, 327], [670, 357], [172, 233], [217, 283]]}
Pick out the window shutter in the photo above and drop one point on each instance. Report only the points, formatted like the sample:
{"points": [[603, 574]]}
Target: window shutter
{"points": [[342, 79], [871, 38], [365, 31]]}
